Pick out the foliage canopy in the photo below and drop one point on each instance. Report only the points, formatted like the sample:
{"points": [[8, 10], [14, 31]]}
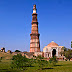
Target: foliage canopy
{"points": [[20, 62]]}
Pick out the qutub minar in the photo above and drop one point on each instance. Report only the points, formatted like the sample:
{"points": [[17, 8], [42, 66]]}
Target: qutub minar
{"points": [[34, 42], [52, 49]]}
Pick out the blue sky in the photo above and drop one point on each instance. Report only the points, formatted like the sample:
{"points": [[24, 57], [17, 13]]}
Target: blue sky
{"points": [[54, 17]]}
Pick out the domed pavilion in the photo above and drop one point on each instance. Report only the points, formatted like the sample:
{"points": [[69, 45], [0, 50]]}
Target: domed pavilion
{"points": [[53, 49]]}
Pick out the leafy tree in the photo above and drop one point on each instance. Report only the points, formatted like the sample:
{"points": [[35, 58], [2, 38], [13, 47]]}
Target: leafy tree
{"points": [[68, 54], [41, 62], [20, 62], [53, 61], [71, 44], [17, 51], [65, 49]]}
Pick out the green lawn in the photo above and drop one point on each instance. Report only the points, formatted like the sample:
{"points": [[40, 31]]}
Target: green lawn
{"points": [[61, 66]]}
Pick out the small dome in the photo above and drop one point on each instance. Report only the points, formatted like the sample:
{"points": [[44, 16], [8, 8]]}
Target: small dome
{"points": [[52, 44]]}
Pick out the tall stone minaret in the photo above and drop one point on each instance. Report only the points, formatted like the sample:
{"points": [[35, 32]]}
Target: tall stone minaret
{"points": [[34, 42]]}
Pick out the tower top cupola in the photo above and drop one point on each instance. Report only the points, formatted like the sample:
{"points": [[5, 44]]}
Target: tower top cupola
{"points": [[34, 9]]}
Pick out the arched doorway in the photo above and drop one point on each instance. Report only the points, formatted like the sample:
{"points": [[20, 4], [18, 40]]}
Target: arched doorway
{"points": [[54, 52]]}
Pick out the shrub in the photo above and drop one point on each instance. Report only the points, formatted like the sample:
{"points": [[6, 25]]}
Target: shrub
{"points": [[68, 54], [41, 62], [53, 61], [65, 59], [20, 62], [17, 51]]}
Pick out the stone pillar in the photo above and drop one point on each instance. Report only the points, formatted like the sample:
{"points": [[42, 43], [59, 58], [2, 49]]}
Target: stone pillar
{"points": [[51, 52], [57, 51]]}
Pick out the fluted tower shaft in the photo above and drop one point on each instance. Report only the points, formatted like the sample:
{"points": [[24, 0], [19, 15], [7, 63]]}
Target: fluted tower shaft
{"points": [[34, 42]]}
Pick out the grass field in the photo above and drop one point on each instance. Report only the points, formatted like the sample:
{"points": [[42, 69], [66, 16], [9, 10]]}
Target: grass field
{"points": [[61, 66]]}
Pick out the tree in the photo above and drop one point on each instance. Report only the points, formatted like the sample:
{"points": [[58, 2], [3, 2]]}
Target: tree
{"points": [[71, 44], [20, 62], [53, 61], [41, 62], [68, 54], [17, 51], [63, 49]]}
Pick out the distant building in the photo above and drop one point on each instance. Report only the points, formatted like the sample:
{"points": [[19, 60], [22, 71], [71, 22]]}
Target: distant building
{"points": [[53, 49]]}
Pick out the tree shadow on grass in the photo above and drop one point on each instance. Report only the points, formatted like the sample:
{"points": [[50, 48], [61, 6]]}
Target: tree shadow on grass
{"points": [[46, 68], [51, 68], [30, 66], [6, 70], [58, 65]]}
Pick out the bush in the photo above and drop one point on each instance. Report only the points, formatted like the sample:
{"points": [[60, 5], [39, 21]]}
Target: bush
{"points": [[68, 54], [65, 59], [20, 62], [53, 61], [17, 51], [41, 62]]}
